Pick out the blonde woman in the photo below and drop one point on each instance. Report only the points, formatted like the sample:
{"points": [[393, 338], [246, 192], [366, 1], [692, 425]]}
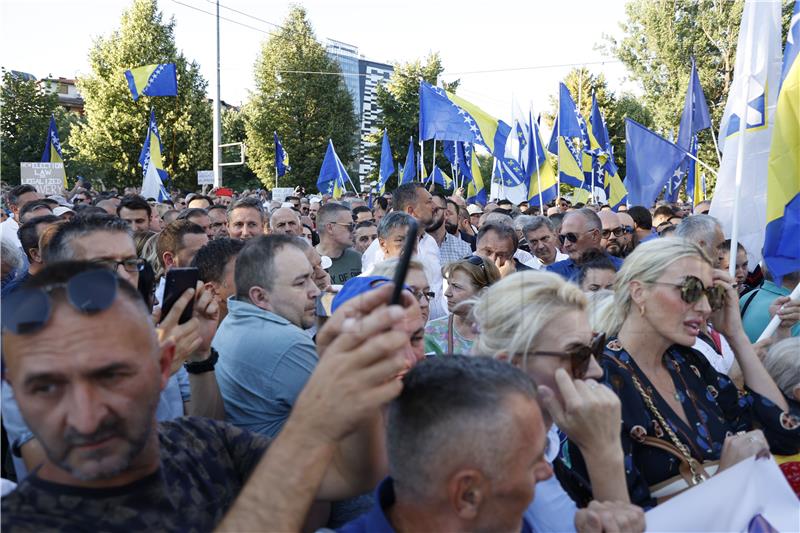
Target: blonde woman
{"points": [[466, 279], [682, 421], [538, 322]]}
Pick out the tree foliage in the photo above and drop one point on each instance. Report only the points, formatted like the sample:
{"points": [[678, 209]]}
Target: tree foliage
{"points": [[399, 102], [111, 139], [660, 37], [25, 118], [306, 108]]}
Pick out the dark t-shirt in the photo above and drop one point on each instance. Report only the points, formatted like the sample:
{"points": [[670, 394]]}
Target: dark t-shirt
{"points": [[344, 267], [204, 464]]}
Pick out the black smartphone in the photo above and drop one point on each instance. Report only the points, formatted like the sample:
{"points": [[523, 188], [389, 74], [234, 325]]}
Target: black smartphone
{"points": [[178, 281], [402, 267]]}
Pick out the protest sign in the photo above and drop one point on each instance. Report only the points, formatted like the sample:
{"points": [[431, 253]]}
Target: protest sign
{"points": [[48, 178], [205, 177], [280, 193]]}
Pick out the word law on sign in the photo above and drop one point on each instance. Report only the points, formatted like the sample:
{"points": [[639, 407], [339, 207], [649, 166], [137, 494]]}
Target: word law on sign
{"points": [[48, 178]]}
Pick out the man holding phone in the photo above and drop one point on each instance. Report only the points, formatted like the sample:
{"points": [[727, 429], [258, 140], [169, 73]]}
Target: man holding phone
{"points": [[177, 245]]}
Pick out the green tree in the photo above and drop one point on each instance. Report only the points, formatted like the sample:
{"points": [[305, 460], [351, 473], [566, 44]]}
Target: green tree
{"points": [[233, 131], [659, 38], [301, 95], [111, 139], [25, 118], [399, 103]]}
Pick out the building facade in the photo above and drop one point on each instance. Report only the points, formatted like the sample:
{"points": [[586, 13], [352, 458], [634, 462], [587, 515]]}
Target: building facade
{"points": [[361, 77], [68, 96]]}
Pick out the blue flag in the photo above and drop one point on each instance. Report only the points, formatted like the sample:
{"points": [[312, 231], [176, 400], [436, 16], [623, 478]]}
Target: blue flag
{"points": [[569, 139], [439, 178], [153, 80], [150, 158], [387, 164], [332, 175], [650, 160], [446, 117], [409, 168], [281, 157], [695, 116]]}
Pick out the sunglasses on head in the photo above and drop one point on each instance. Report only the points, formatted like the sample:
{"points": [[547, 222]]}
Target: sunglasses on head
{"points": [[692, 289], [475, 260], [579, 355], [28, 310]]}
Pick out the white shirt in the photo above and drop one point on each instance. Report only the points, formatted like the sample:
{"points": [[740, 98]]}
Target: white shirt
{"points": [[8, 232], [721, 363], [428, 255], [551, 509]]}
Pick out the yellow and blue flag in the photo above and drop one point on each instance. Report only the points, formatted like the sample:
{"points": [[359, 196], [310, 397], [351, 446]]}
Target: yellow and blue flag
{"points": [[781, 242], [155, 176], [332, 175], [605, 171], [446, 117], [476, 191], [52, 147], [152, 80], [524, 148], [569, 139], [281, 157], [386, 168], [439, 177]]}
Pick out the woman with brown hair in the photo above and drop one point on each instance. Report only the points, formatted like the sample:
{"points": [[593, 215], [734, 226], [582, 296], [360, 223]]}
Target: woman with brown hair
{"points": [[466, 279]]}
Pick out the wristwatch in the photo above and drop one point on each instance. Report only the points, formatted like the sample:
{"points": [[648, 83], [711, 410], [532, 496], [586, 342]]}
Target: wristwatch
{"points": [[206, 365]]}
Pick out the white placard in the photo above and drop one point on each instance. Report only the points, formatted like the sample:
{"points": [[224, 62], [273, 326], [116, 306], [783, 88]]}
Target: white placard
{"points": [[48, 178], [205, 177], [280, 193]]}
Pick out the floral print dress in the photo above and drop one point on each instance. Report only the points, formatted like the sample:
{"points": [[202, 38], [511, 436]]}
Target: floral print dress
{"points": [[714, 408]]}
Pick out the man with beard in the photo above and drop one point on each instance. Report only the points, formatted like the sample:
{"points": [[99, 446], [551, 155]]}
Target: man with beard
{"points": [[414, 200], [335, 228], [628, 239], [581, 230], [612, 233], [451, 248]]}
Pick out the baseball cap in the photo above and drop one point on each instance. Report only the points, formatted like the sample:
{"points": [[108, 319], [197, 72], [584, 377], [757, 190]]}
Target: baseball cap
{"points": [[474, 209], [60, 210]]}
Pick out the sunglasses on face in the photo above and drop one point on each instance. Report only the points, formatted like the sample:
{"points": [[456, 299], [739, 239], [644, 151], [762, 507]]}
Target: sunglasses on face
{"points": [[579, 355], [572, 237], [619, 231], [692, 289], [28, 310]]}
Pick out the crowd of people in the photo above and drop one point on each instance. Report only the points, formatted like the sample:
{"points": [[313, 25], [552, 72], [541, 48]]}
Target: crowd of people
{"points": [[555, 369]]}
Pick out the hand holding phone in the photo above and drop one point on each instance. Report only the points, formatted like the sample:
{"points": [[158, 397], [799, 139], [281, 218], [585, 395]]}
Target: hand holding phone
{"points": [[402, 267], [178, 281]]}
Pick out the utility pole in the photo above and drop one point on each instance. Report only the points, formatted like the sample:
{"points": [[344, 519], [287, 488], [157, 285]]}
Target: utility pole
{"points": [[216, 131]]}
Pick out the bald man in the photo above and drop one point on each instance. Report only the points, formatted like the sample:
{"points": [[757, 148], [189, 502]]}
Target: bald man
{"points": [[611, 233], [285, 220]]}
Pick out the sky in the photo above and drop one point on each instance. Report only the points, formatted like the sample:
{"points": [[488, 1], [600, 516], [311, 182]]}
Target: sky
{"points": [[502, 51]]}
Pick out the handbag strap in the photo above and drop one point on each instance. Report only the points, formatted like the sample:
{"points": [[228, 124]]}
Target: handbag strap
{"points": [[450, 326], [677, 448]]}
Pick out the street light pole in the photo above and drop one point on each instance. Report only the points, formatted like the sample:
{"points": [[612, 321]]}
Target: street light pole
{"points": [[216, 131]]}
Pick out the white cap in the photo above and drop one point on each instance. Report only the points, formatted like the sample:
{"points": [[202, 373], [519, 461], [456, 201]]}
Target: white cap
{"points": [[60, 210], [474, 209]]}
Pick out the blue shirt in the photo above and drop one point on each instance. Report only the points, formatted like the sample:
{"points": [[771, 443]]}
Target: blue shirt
{"points": [[569, 270], [264, 363], [377, 521], [756, 317]]}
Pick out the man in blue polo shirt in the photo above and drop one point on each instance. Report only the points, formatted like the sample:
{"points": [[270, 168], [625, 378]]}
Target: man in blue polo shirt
{"points": [[581, 230], [265, 357]]}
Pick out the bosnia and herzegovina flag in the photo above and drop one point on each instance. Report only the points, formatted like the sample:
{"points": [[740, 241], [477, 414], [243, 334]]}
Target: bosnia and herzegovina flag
{"points": [[386, 167], [52, 147], [439, 177], [332, 175], [603, 158], [569, 139], [153, 80], [781, 242], [281, 157], [446, 117], [476, 191], [152, 163]]}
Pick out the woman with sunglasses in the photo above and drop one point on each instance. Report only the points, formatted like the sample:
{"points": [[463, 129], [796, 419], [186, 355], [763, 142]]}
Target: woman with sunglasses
{"points": [[466, 278], [539, 322], [682, 421]]}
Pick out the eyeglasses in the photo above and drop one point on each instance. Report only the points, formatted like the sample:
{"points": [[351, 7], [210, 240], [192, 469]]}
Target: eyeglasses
{"points": [[579, 355], [419, 295], [619, 231], [135, 264], [475, 260], [28, 310], [349, 226], [692, 289], [572, 237]]}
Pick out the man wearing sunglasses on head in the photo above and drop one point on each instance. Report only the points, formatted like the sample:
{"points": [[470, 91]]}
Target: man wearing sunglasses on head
{"points": [[581, 230], [90, 399]]}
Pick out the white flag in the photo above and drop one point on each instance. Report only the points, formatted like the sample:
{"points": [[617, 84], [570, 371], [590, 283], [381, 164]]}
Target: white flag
{"points": [[755, 88], [151, 185]]}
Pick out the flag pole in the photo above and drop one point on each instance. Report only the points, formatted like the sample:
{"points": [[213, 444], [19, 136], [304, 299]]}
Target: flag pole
{"points": [[535, 135], [716, 146], [421, 152], [558, 149], [433, 155], [739, 165]]}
